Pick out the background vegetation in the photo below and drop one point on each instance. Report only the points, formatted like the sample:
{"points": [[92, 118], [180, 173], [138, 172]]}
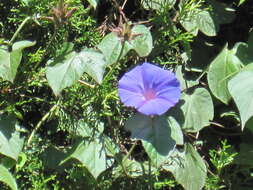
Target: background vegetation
{"points": [[69, 132]]}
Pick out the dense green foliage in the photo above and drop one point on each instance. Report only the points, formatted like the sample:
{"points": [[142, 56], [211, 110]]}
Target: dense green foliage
{"points": [[62, 125]]}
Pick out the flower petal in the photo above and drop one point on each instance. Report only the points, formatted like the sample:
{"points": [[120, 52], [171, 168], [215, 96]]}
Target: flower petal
{"points": [[171, 94], [150, 74], [155, 107], [130, 98], [166, 79], [150, 89], [132, 81]]}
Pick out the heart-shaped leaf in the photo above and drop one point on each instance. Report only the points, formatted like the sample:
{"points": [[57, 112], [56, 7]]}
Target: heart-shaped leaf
{"points": [[91, 154], [198, 110], [7, 178], [221, 70], [176, 131], [189, 21], [94, 64], [142, 41], [65, 70], [113, 48], [155, 134], [188, 168], [244, 50], [11, 58], [206, 24], [241, 89], [11, 143]]}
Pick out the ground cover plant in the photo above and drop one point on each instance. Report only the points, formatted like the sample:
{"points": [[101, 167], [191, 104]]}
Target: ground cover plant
{"points": [[120, 94]]}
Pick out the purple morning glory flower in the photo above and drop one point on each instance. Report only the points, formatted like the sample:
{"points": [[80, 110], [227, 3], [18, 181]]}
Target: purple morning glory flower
{"points": [[150, 89]]}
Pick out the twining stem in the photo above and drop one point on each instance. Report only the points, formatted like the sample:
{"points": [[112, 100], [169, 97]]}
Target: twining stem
{"points": [[124, 159], [44, 118], [86, 84], [130, 151], [123, 6], [19, 29]]}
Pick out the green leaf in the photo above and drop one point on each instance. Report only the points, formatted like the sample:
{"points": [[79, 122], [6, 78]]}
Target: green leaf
{"points": [[207, 21], [241, 89], [91, 154], [198, 110], [221, 70], [199, 20], [7, 178], [248, 67], [189, 22], [66, 48], [10, 59], [142, 43], [206, 24], [244, 52], [111, 148], [64, 72], [188, 168], [93, 3], [113, 48], [176, 131], [155, 134], [82, 129], [158, 4], [52, 158], [185, 82], [132, 168], [11, 143], [93, 63]]}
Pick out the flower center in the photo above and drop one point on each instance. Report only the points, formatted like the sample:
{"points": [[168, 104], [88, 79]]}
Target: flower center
{"points": [[149, 94]]}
